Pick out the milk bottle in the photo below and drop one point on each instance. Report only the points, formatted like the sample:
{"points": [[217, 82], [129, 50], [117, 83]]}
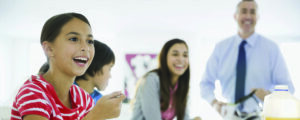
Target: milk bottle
{"points": [[281, 105]]}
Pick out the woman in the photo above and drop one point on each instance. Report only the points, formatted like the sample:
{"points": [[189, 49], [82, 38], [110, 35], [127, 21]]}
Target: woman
{"points": [[162, 93]]}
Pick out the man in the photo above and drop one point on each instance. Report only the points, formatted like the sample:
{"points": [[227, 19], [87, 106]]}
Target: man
{"points": [[244, 63]]}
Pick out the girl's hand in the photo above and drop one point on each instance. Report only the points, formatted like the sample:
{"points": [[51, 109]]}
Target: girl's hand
{"points": [[108, 106]]}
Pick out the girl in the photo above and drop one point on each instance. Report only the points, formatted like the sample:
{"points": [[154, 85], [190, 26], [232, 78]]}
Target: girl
{"points": [[97, 74], [67, 41], [162, 93]]}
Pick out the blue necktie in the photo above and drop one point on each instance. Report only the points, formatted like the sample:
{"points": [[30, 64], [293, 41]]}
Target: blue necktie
{"points": [[240, 72]]}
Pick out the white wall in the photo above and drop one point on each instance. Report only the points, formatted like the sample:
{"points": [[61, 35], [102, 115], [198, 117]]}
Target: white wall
{"points": [[140, 26]]}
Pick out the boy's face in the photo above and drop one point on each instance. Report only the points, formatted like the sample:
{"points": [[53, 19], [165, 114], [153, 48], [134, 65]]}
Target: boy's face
{"points": [[102, 77]]}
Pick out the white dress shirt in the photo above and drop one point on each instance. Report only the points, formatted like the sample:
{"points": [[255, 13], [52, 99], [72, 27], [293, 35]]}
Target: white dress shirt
{"points": [[265, 68]]}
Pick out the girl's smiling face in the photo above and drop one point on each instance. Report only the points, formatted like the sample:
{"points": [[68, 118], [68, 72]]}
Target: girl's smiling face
{"points": [[73, 50], [178, 59]]}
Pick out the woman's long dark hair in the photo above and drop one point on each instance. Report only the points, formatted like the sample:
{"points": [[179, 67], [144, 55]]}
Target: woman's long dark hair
{"points": [[180, 98]]}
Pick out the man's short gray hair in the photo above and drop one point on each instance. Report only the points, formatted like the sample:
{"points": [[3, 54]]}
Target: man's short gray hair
{"points": [[238, 5]]}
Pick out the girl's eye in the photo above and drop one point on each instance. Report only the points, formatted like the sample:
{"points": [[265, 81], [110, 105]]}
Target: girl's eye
{"points": [[91, 42], [174, 54], [74, 39], [186, 55]]}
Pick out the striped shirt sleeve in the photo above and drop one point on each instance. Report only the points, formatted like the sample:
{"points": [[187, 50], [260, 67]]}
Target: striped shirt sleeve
{"points": [[31, 99]]}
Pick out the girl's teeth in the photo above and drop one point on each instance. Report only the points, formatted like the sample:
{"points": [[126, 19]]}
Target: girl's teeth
{"points": [[80, 58], [247, 22]]}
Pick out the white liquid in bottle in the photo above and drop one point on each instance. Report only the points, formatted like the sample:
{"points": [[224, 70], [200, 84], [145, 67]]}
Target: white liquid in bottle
{"points": [[281, 105]]}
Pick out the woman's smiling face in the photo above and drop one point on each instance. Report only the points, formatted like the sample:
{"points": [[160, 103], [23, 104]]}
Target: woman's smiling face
{"points": [[178, 59]]}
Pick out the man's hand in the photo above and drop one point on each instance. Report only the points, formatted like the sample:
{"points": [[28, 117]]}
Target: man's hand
{"points": [[261, 93], [218, 105], [197, 118]]}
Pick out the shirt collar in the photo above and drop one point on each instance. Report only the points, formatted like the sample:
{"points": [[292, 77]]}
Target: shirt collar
{"points": [[75, 83], [95, 93], [173, 90], [251, 40]]}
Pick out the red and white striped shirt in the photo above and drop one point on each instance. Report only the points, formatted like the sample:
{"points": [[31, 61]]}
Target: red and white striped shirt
{"points": [[38, 97]]}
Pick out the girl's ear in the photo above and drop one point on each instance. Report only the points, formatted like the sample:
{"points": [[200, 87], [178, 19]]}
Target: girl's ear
{"points": [[47, 47]]}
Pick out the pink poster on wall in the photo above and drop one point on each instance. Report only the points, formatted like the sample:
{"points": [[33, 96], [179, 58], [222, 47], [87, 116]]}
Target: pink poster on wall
{"points": [[137, 65]]}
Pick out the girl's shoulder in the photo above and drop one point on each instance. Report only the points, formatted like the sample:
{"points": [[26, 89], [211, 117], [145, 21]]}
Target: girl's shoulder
{"points": [[32, 96], [152, 76], [36, 83]]}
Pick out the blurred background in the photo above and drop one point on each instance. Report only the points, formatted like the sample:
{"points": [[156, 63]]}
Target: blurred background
{"points": [[136, 31]]}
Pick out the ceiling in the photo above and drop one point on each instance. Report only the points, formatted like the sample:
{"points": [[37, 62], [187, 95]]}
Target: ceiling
{"points": [[138, 20]]}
